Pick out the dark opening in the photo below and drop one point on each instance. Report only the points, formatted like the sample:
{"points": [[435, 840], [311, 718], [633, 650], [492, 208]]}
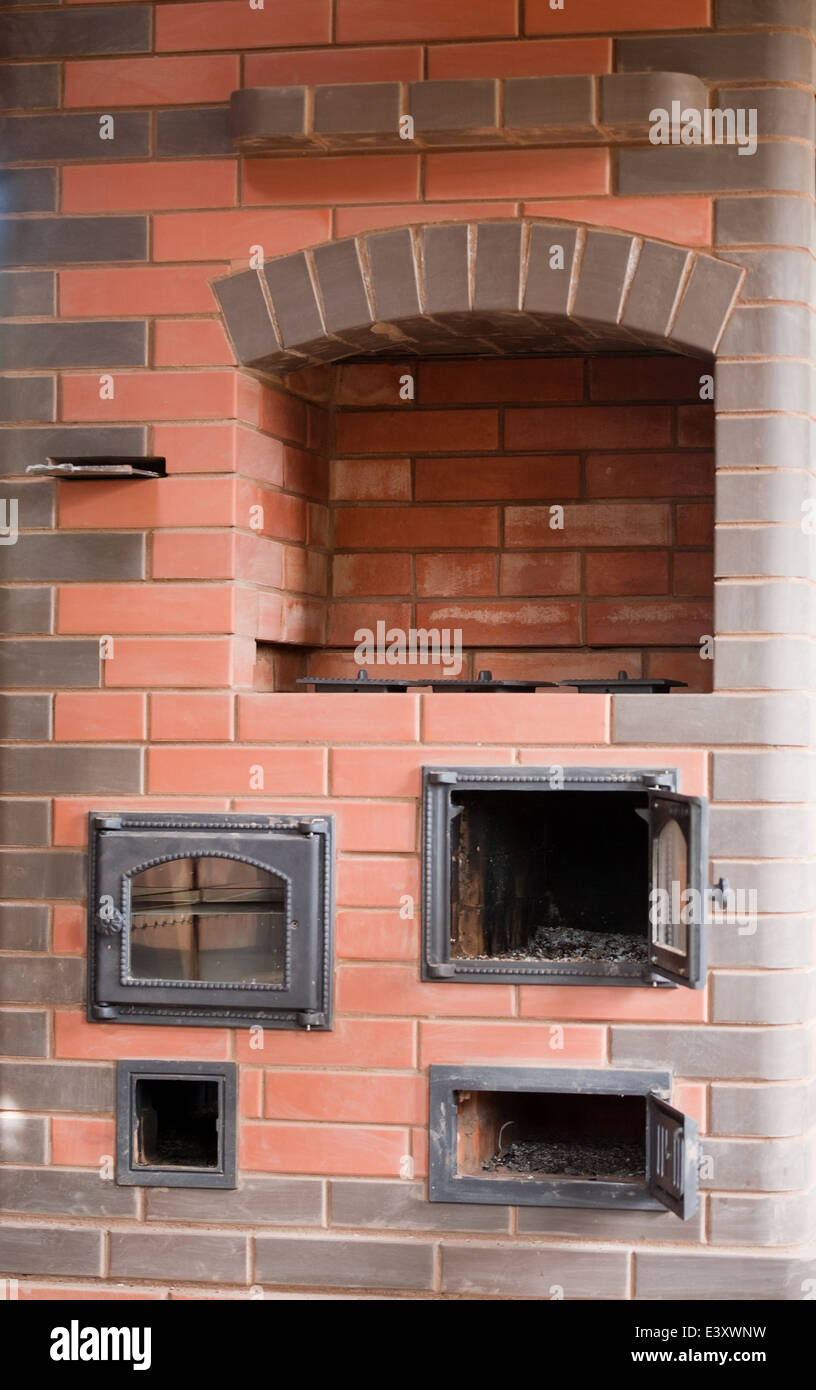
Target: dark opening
{"points": [[176, 1123], [550, 876], [511, 1134]]}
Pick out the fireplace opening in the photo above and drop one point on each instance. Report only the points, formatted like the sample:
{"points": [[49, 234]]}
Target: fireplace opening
{"points": [[550, 876], [521, 1134], [176, 1124]]}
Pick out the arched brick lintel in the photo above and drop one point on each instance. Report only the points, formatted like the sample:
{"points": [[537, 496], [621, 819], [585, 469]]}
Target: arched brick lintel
{"points": [[477, 289]]}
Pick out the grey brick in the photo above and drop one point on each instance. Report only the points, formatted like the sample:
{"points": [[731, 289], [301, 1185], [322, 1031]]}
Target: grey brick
{"points": [[766, 1111], [764, 776], [25, 716], [759, 221], [602, 276], [764, 386], [678, 1277], [721, 57], [28, 190], [45, 979], [26, 610], [783, 887], [23, 927], [28, 85], [194, 1256], [783, 330], [765, 1221], [273, 116], [52, 662], [711, 719], [533, 1271], [627, 99], [784, 663], [445, 256], [332, 1262], [781, 166], [96, 343], [27, 397], [654, 288], [591, 1223], [71, 555], [778, 943], [358, 108], [756, 1165], [66, 1192], [24, 293], [21, 447], [69, 770], [246, 314], [547, 290], [340, 278], [23, 1032], [782, 996], [706, 303], [781, 111], [82, 31], [770, 551], [762, 498], [23, 1138], [497, 273], [24, 822], [57, 1086], [761, 833], [763, 14], [257, 1202], [62, 1250], [765, 607], [74, 135], [36, 501], [296, 308], [779, 1054], [194, 130], [393, 274], [777, 274], [71, 240], [404, 1206], [533, 105]]}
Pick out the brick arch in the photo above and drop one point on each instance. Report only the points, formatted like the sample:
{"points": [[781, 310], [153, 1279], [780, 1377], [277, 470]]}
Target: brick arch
{"points": [[477, 289]]}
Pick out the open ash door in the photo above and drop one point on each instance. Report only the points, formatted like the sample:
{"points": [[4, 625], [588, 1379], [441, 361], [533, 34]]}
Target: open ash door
{"points": [[678, 859], [671, 1157]]}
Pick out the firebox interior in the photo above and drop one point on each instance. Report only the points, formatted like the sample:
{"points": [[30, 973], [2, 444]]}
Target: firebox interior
{"points": [[550, 875], [176, 1123], [513, 1134]]}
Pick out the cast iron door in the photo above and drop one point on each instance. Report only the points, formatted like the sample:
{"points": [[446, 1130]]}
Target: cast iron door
{"points": [[678, 859], [671, 1157]]}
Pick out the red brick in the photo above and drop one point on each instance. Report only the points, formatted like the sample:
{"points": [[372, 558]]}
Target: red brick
{"points": [[377, 827], [223, 24], [613, 1005], [284, 416], [454, 574], [137, 290], [364, 21], [686, 220], [592, 427], [228, 770], [695, 426], [330, 179], [305, 571], [371, 480], [695, 523], [258, 560], [533, 379], [250, 1092], [351, 220], [354, 1150], [190, 662], [149, 396], [370, 383], [471, 718], [692, 1098], [518, 623], [555, 666], [419, 1151], [587, 525], [628, 572], [532, 574], [293, 67], [369, 1098], [197, 448], [71, 813], [645, 378], [394, 528], [365, 935], [190, 343], [200, 236], [146, 608], [542, 1044], [682, 666], [647, 623], [517, 173], [144, 187], [520, 58], [353, 1042], [81, 1142], [305, 473], [615, 17], [395, 989], [98, 716], [354, 575], [397, 771], [347, 619], [74, 1037], [110, 82], [194, 555], [69, 925], [151, 502], [331, 718], [693, 573], [497, 478], [650, 475], [258, 457], [190, 717], [692, 763], [367, 882], [408, 431]]}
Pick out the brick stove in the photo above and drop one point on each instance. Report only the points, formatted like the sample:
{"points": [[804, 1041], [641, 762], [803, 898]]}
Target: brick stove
{"points": [[508, 370]]}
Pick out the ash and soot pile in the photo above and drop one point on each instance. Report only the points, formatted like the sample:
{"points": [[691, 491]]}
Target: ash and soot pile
{"points": [[578, 943], [612, 1161]]}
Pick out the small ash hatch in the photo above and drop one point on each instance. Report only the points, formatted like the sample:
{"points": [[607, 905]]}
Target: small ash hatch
{"points": [[176, 1124]]}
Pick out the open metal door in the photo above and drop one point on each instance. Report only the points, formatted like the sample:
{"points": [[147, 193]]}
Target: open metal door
{"points": [[671, 1157], [678, 859]]}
